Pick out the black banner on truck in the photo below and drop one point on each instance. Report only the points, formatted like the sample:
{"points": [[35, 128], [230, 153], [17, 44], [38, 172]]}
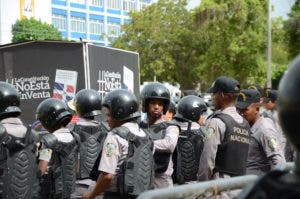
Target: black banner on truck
{"points": [[40, 70], [111, 69], [43, 69]]}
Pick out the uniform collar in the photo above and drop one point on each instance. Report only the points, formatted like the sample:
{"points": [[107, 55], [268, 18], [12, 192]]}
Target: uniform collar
{"points": [[12, 120], [130, 124], [184, 125], [62, 130], [228, 110], [84, 121]]}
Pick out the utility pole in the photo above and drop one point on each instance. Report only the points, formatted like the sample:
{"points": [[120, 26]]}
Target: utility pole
{"points": [[269, 48]]}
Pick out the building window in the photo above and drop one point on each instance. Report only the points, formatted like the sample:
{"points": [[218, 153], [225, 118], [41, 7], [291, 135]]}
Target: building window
{"points": [[113, 29], [114, 4], [59, 21], [98, 3], [78, 1], [96, 27], [129, 5], [143, 4], [77, 24]]}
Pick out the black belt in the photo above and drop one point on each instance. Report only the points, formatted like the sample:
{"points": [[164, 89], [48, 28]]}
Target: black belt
{"points": [[116, 195], [83, 185]]}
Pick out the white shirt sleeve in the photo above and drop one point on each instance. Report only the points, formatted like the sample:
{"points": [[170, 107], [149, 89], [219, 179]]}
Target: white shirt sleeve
{"points": [[168, 143], [110, 155], [214, 135]]}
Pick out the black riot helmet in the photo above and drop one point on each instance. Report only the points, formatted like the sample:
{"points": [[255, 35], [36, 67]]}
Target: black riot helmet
{"points": [[190, 108], [87, 103], [53, 114], [9, 101], [155, 90], [122, 104], [289, 102]]}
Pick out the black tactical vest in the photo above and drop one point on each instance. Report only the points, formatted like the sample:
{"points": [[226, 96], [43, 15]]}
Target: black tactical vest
{"points": [[157, 132], [186, 156], [233, 151], [94, 173], [91, 145], [61, 177], [3, 155], [275, 184], [18, 167], [136, 174]]}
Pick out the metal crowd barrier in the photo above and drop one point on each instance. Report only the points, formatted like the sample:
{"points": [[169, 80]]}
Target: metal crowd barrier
{"points": [[199, 189], [208, 188], [286, 167]]}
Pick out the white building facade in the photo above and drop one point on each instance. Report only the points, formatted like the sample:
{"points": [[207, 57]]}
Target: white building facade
{"points": [[12, 10], [94, 21]]}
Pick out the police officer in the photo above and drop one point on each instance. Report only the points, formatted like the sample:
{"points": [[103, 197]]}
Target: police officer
{"points": [[258, 88], [126, 163], [59, 150], [191, 109], [87, 104], [265, 151], [18, 163], [227, 132], [186, 158], [155, 101], [283, 184], [270, 101]]}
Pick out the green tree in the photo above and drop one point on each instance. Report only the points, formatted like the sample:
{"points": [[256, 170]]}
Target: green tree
{"points": [[292, 26], [164, 36], [234, 36], [280, 54], [31, 29]]}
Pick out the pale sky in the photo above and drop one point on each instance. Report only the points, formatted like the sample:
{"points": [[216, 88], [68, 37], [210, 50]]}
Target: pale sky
{"points": [[281, 7]]}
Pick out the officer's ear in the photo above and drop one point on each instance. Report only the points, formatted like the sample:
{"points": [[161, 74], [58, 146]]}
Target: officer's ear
{"points": [[257, 106]]}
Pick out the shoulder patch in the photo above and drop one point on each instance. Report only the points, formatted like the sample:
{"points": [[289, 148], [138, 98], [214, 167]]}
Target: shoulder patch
{"points": [[273, 144], [209, 132], [110, 149]]}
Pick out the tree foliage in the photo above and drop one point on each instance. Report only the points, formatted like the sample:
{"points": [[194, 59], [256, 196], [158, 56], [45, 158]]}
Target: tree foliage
{"points": [[31, 29], [217, 38], [292, 26], [280, 55], [286, 42], [163, 35], [234, 36]]}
